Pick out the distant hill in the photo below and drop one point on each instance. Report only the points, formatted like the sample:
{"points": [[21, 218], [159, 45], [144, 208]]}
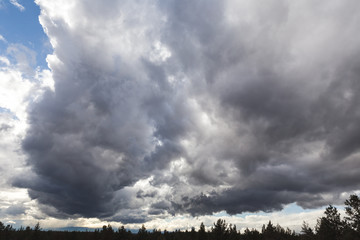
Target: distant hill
{"points": [[72, 229], [83, 229]]}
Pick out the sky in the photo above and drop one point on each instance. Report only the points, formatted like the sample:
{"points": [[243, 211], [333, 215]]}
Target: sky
{"points": [[172, 113]]}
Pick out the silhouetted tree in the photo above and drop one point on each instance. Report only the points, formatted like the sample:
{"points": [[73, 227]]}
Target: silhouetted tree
{"points": [[156, 234], [330, 226], [36, 231], [233, 233], [269, 231], [202, 233], [107, 232], [219, 231], [142, 233], [123, 234], [252, 234], [37, 227], [2, 226], [306, 232], [353, 211]]}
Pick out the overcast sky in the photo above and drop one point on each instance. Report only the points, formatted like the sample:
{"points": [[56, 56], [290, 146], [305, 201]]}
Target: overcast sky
{"points": [[170, 113]]}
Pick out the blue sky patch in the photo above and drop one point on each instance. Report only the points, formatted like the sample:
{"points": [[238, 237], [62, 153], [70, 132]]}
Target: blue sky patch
{"points": [[23, 27]]}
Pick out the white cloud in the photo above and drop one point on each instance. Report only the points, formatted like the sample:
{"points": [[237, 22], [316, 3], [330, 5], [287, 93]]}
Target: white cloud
{"points": [[4, 60], [25, 58], [18, 5], [16, 92], [2, 39], [291, 220], [159, 53]]}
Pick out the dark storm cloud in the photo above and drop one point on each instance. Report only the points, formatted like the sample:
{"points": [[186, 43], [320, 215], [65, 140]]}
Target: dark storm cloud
{"points": [[250, 200], [142, 194], [101, 130], [231, 105]]}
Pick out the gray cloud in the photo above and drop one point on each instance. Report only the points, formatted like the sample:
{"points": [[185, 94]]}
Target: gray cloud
{"points": [[226, 105], [15, 210], [5, 127]]}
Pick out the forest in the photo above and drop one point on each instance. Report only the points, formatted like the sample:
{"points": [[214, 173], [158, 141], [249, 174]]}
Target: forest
{"points": [[331, 226]]}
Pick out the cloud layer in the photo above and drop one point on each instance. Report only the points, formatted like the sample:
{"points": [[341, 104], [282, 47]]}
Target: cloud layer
{"points": [[183, 107], [20, 87]]}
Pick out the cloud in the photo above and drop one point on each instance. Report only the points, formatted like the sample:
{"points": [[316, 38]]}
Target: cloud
{"points": [[15, 210], [18, 5], [17, 91], [1, 37], [195, 108], [25, 58]]}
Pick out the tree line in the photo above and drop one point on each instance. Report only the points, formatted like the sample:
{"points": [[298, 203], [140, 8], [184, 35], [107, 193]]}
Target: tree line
{"points": [[329, 227]]}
